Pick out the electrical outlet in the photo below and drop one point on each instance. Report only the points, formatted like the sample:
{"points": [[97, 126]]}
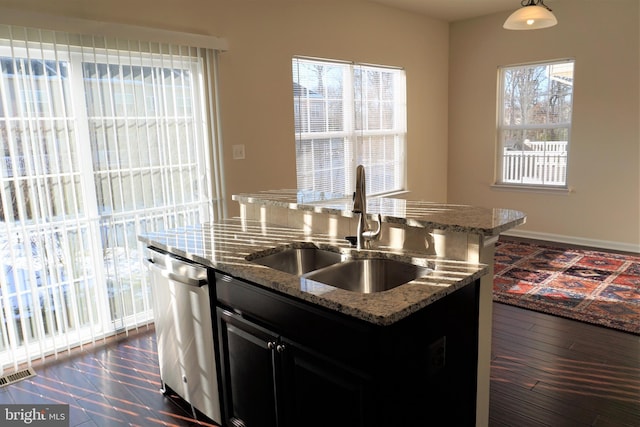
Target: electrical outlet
{"points": [[436, 355], [238, 151]]}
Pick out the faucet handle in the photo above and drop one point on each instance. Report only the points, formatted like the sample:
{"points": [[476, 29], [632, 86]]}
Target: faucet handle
{"points": [[374, 234]]}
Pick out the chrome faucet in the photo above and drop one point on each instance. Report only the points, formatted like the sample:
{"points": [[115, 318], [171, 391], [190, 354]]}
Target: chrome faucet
{"points": [[364, 234]]}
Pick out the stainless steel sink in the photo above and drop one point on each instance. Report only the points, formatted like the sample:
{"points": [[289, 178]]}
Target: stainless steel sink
{"points": [[368, 275], [299, 261]]}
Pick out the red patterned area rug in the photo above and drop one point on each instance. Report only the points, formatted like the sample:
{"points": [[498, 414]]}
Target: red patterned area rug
{"points": [[590, 286]]}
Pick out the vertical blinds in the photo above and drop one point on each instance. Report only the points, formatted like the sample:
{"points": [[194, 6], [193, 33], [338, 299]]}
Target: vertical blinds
{"points": [[103, 139], [345, 115]]}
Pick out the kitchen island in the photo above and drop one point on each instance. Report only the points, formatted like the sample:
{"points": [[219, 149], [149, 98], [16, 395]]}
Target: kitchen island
{"points": [[293, 352], [442, 311], [448, 231]]}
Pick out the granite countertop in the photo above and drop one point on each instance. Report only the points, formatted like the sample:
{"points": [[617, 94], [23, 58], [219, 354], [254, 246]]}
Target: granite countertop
{"points": [[225, 245], [450, 217]]}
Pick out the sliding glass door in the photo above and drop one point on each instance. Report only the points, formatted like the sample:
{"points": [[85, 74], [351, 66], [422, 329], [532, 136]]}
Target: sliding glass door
{"points": [[99, 145]]}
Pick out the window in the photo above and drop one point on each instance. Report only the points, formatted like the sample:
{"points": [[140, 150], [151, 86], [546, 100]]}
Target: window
{"points": [[100, 144], [346, 115], [534, 124]]}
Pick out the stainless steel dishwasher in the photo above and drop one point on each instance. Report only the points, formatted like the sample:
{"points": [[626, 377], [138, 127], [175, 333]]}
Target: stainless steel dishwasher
{"points": [[184, 331]]}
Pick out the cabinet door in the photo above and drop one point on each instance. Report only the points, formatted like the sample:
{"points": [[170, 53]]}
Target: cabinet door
{"points": [[321, 392], [247, 372]]}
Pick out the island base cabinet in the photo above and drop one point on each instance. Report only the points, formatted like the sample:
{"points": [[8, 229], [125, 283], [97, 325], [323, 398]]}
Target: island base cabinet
{"points": [[288, 363], [248, 373], [323, 393], [269, 380]]}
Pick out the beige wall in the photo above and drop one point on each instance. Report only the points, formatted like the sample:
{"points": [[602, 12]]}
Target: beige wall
{"points": [[255, 74], [256, 94], [604, 163], [451, 80]]}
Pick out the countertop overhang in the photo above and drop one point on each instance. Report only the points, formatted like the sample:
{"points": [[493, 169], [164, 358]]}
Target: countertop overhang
{"points": [[225, 245], [488, 222]]}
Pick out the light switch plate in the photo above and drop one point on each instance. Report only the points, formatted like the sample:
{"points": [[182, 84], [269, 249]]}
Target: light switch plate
{"points": [[238, 151]]}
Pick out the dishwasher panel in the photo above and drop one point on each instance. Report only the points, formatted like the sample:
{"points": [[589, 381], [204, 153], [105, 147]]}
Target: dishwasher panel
{"points": [[184, 331]]}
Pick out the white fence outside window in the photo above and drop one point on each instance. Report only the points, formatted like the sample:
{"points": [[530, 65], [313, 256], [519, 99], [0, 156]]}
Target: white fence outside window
{"points": [[538, 162], [535, 104]]}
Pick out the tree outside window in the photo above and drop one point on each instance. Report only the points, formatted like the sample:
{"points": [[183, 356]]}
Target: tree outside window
{"points": [[534, 123]]}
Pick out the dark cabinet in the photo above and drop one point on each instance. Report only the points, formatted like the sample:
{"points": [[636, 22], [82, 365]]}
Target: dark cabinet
{"points": [[288, 363], [269, 380], [248, 372], [324, 393]]}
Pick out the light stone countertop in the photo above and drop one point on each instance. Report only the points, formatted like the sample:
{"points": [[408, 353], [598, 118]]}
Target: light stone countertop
{"points": [[225, 245], [449, 217]]}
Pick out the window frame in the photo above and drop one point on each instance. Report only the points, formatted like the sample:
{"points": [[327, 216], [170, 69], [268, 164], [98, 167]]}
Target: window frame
{"points": [[354, 135], [561, 159]]}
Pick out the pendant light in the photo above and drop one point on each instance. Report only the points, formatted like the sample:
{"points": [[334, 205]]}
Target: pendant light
{"points": [[533, 15]]}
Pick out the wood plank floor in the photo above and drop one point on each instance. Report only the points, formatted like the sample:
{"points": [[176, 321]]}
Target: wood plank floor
{"points": [[546, 371], [117, 384], [550, 371]]}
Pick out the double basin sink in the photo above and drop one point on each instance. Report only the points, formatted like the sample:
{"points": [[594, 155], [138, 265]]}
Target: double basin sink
{"points": [[363, 275]]}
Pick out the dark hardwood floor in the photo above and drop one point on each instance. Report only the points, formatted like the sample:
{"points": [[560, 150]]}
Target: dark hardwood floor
{"points": [[550, 371], [546, 371], [112, 384]]}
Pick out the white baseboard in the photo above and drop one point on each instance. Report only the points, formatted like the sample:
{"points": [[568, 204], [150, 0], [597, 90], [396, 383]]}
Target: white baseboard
{"points": [[578, 241]]}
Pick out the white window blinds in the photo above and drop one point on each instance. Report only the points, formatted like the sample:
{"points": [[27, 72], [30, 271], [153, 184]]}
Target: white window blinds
{"points": [[103, 139], [345, 115]]}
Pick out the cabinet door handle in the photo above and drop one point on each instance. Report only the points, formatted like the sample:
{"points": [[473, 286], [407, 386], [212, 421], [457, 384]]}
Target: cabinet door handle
{"points": [[280, 348]]}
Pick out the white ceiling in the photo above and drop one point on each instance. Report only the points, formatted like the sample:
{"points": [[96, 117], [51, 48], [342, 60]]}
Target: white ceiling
{"points": [[454, 10]]}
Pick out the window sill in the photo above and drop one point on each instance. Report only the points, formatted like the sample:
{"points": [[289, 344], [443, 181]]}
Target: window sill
{"points": [[395, 194], [533, 188]]}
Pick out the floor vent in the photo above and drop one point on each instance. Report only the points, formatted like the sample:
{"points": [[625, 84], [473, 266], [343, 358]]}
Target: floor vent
{"points": [[17, 376]]}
